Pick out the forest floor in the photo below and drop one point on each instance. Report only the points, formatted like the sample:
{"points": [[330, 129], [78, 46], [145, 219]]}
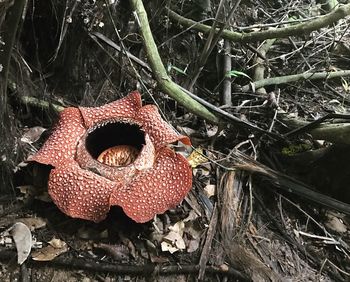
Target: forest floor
{"points": [[270, 153]]}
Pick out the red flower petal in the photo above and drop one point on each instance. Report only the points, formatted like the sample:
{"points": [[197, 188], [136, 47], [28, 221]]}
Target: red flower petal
{"points": [[158, 189], [80, 193], [126, 108], [84, 188], [160, 132], [61, 145]]}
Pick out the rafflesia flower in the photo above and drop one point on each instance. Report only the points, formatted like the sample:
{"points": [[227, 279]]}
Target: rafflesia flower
{"points": [[115, 155]]}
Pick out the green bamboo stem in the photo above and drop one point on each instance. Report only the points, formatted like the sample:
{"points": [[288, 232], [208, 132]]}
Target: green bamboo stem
{"points": [[164, 81], [295, 77], [291, 30]]}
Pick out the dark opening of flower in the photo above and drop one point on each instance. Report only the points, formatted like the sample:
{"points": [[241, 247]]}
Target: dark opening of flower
{"points": [[116, 154], [116, 143]]}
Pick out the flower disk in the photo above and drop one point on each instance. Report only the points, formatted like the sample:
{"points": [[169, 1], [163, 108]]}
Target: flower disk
{"points": [[116, 154]]}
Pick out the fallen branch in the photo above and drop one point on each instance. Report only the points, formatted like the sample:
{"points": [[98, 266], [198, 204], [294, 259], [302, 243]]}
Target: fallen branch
{"points": [[294, 77], [32, 101], [293, 30], [124, 269], [286, 183], [338, 133]]}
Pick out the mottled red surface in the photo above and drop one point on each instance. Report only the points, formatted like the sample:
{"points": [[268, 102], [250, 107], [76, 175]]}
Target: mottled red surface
{"points": [[83, 187]]}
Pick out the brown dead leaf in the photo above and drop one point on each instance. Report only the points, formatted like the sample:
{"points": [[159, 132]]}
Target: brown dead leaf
{"points": [[168, 247], [57, 243], [118, 252], [173, 241], [212, 130], [32, 134], [210, 190], [33, 222], [193, 232], [48, 253], [335, 222], [178, 227]]}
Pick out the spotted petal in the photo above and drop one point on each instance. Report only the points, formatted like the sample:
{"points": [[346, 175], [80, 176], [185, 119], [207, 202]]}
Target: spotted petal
{"points": [[61, 145], [161, 133], [80, 193], [158, 189], [124, 108]]}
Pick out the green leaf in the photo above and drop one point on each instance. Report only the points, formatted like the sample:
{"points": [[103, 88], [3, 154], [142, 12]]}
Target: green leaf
{"points": [[178, 70], [235, 73]]}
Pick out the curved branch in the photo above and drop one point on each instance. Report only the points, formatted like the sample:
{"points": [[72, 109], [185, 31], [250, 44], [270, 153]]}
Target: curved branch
{"points": [[160, 74], [292, 30], [294, 77]]}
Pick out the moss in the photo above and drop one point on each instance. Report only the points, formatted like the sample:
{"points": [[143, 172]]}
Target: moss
{"points": [[295, 149]]}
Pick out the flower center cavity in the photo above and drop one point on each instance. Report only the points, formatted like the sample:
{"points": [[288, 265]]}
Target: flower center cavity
{"points": [[115, 143]]}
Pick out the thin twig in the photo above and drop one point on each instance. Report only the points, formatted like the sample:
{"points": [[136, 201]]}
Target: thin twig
{"points": [[211, 42], [94, 35], [233, 118], [207, 246], [227, 66]]}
